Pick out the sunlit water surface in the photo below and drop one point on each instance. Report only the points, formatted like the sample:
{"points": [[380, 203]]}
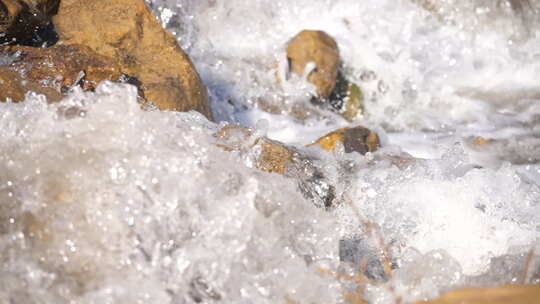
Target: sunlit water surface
{"points": [[101, 202]]}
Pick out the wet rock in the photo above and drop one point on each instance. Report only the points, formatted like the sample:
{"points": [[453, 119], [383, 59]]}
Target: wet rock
{"points": [[347, 98], [201, 291], [63, 66], [481, 141], [333, 89], [354, 102], [232, 137], [21, 19], [269, 155], [357, 139], [509, 294], [14, 87], [358, 250], [127, 31], [275, 157], [319, 48]]}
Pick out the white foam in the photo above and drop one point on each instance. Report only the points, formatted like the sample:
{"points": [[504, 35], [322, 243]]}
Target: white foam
{"points": [[101, 202]]}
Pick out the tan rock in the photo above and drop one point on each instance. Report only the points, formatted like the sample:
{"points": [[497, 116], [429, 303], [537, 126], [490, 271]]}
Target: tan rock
{"points": [[482, 141], [321, 49], [19, 19], [14, 87], [61, 66], [509, 294], [232, 137], [357, 139], [126, 30], [274, 156]]}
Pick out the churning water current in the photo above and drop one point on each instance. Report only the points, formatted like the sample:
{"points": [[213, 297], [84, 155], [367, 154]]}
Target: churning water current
{"points": [[142, 207]]}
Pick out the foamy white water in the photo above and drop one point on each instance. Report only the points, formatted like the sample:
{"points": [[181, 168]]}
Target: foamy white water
{"points": [[102, 202]]}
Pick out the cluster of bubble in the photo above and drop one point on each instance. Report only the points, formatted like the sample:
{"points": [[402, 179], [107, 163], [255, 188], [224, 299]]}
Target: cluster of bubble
{"points": [[105, 203], [102, 202]]}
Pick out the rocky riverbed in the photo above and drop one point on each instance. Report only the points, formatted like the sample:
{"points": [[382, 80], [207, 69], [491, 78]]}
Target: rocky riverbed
{"points": [[170, 151]]}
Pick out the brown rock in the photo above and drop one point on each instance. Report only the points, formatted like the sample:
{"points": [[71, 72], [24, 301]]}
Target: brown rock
{"points": [[127, 30], [276, 157], [273, 157], [20, 19], [232, 137], [320, 48], [14, 87], [481, 141], [509, 294], [62, 66], [357, 139]]}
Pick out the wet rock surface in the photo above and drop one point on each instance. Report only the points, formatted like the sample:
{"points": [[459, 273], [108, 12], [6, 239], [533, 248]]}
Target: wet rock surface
{"points": [[347, 98], [14, 87], [315, 55], [319, 48], [127, 31], [508, 294], [275, 157], [21, 19], [357, 139], [270, 156], [63, 66], [121, 210]]}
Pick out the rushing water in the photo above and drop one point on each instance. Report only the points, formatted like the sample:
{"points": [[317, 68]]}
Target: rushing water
{"points": [[101, 202]]}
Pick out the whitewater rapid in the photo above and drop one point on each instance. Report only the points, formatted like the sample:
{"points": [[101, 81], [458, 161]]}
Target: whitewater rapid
{"points": [[132, 206]]}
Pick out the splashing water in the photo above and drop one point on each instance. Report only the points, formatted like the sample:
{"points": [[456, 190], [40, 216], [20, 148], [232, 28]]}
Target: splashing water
{"points": [[101, 202]]}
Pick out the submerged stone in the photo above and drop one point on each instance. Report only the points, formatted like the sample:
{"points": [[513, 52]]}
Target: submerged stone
{"points": [[272, 156], [354, 105], [276, 157], [482, 141], [359, 251], [128, 31]]}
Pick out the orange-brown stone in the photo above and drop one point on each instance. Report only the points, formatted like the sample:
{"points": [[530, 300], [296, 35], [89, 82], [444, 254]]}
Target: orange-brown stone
{"points": [[321, 49], [61, 66], [357, 139], [126, 30], [509, 294], [14, 87]]}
